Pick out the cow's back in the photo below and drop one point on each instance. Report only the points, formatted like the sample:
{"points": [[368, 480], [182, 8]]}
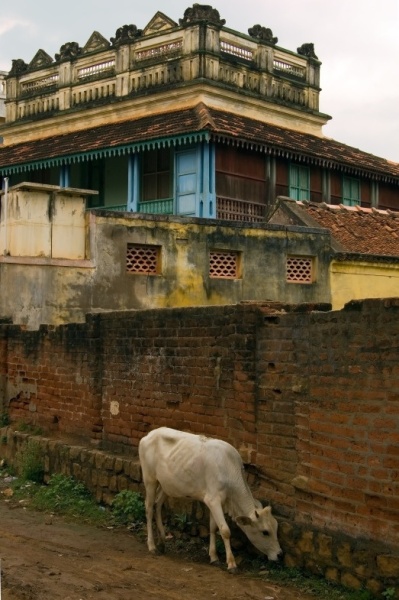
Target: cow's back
{"points": [[188, 465]]}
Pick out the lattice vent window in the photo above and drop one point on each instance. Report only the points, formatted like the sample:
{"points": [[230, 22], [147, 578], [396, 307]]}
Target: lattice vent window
{"points": [[224, 264], [299, 269], [143, 258]]}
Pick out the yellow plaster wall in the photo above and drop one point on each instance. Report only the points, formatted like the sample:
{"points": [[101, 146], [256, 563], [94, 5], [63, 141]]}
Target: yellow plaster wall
{"points": [[358, 280]]}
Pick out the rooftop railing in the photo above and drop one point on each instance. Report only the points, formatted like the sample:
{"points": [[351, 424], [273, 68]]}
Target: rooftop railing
{"points": [[237, 61]]}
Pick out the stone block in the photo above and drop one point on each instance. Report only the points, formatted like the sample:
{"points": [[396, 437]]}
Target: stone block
{"points": [[122, 483], [388, 565], [118, 466], [350, 581], [113, 486], [74, 452], [135, 471], [344, 554], [324, 543], [332, 574], [306, 542]]}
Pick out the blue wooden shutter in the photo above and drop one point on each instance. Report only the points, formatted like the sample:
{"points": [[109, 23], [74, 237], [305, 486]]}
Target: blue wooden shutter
{"points": [[187, 183]]}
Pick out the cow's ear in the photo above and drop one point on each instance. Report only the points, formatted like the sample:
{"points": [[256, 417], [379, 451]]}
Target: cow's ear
{"points": [[243, 521]]}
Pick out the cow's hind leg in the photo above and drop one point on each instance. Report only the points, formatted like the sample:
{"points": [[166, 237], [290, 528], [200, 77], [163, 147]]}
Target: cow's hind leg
{"points": [[150, 491], [160, 499], [213, 555]]}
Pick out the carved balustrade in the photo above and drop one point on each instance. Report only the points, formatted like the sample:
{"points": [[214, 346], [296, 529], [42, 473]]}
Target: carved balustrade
{"points": [[133, 63]]}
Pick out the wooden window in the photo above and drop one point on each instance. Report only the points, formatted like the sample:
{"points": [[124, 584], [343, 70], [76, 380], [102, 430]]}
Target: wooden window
{"points": [[350, 191], [143, 259], [300, 269], [299, 182], [224, 264], [240, 175], [156, 175]]}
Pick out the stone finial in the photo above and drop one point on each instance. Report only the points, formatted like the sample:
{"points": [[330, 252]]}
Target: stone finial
{"points": [[68, 51], [262, 33], [18, 66], [41, 59], [202, 12], [125, 35], [307, 50]]}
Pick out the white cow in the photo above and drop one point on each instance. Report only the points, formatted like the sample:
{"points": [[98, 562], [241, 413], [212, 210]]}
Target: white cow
{"points": [[184, 465]]}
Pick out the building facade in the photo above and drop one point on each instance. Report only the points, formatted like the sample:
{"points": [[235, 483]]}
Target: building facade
{"points": [[67, 262], [364, 257], [189, 119]]}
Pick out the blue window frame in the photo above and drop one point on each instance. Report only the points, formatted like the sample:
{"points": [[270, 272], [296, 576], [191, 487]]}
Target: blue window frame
{"points": [[351, 191], [299, 182]]}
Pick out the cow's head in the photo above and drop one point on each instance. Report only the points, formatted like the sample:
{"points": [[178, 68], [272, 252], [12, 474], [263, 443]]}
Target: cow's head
{"points": [[261, 529]]}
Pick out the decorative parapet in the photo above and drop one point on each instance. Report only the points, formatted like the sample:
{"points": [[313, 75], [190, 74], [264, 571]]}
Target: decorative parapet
{"points": [[2, 95], [163, 54]]}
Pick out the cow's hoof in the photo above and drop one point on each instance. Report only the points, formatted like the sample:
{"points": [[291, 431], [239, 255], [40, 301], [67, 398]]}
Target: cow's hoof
{"points": [[215, 563], [232, 571], [161, 548]]}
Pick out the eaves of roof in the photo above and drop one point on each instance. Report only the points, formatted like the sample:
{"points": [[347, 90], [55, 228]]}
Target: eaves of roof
{"points": [[188, 125], [366, 258]]}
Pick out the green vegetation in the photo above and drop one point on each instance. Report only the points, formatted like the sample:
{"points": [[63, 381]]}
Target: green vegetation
{"points": [[128, 507], [64, 495], [4, 419], [25, 427], [30, 462]]}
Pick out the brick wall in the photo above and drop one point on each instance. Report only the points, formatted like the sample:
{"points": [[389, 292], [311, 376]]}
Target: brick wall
{"points": [[54, 378], [348, 422], [308, 396]]}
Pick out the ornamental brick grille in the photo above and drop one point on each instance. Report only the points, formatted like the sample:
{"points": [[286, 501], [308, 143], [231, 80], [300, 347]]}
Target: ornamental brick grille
{"points": [[299, 269], [142, 258], [223, 265]]}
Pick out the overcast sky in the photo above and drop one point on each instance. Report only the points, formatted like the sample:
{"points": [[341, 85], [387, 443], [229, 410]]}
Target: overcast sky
{"points": [[357, 42]]}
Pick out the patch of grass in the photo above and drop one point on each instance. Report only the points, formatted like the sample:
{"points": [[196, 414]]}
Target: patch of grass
{"points": [[30, 462], [181, 522], [65, 496], [25, 427], [128, 508], [4, 419]]}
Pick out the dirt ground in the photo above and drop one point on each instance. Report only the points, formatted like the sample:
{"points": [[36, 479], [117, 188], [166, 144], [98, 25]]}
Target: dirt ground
{"points": [[44, 557]]}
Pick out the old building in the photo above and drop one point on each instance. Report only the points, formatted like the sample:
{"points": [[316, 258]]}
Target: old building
{"points": [[66, 262], [187, 118], [364, 258], [179, 138]]}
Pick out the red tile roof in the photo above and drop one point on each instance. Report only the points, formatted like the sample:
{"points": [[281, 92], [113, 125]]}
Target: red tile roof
{"points": [[356, 230], [220, 124]]}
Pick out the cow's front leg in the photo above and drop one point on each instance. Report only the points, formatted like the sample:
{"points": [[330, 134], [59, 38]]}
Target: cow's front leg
{"points": [[218, 516]]}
